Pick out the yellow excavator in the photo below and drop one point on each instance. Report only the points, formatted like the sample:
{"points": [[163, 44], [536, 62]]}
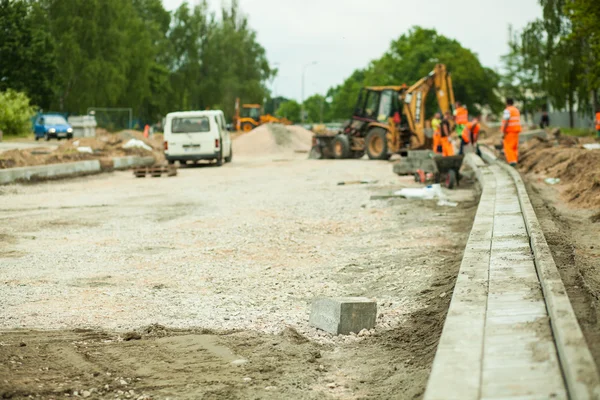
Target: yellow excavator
{"points": [[387, 120], [250, 116]]}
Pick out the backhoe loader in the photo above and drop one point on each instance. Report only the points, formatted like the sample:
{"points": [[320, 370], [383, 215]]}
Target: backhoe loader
{"points": [[387, 120], [250, 116]]}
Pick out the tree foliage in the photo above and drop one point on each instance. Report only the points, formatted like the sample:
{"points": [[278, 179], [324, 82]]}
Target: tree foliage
{"points": [[411, 57], [290, 109], [555, 59], [317, 109], [68, 55], [15, 113]]}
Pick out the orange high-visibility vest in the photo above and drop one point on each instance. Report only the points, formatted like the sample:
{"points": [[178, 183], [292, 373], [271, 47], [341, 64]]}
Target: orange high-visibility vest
{"points": [[466, 135], [598, 121], [462, 116], [514, 122]]}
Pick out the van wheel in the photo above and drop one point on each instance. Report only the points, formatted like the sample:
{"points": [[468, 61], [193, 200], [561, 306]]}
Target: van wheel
{"points": [[220, 158], [230, 157]]}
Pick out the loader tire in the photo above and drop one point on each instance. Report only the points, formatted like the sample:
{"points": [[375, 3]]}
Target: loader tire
{"points": [[341, 147], [247, 127], [377, 146]]}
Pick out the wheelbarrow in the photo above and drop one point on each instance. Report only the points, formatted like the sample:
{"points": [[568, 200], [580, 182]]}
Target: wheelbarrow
{"points": [[448, 170]]}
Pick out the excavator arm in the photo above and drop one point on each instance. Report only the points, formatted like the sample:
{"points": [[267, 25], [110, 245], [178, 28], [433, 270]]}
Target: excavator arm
{"points": [[416, 96]]}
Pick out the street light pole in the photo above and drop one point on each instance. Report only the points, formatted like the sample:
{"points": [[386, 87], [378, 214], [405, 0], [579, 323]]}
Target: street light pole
{"points": [[302, 105]]}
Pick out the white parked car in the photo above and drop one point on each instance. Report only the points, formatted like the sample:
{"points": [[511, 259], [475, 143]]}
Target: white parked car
{"points": [[197, 135]]}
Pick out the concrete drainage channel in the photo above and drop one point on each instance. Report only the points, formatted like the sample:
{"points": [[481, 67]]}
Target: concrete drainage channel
{"points": [[64, 170], [510, 331]]}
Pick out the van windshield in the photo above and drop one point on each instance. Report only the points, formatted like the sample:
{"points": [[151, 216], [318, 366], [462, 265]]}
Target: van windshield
{"points": [[190, 125]]}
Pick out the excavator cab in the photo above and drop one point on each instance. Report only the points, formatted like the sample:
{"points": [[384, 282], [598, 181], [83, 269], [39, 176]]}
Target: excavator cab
{"points": [[378, 103]]}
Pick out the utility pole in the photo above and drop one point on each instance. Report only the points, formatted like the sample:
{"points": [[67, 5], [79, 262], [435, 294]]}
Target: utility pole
{"points": [[302, 104]]}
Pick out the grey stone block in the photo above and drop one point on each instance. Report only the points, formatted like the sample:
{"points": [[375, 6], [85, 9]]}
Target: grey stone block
{"points": [[343, 315], [49, 171]]}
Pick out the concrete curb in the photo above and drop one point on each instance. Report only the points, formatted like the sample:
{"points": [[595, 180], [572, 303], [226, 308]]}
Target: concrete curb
{"points": [[65, 170], [459, 355], [578, 366], [131, 161], [577, 363], [49, 171]]}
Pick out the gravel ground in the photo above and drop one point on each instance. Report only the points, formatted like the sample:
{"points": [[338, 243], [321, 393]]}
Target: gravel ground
{"points": [[242, 248], [246, 246]]}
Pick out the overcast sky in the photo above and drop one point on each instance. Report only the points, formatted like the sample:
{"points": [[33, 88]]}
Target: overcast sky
{"points": [[343, 35]]}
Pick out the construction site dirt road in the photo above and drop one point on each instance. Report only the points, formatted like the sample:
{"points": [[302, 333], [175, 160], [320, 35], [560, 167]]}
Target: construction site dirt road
{"points": [[199, 286]]}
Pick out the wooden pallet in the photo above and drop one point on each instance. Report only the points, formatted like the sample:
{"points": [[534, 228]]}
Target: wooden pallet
{"points": [[155, 171]]}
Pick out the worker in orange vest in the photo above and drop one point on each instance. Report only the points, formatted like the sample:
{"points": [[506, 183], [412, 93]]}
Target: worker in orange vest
{"points": [[598, 123], [445, 132], [437, 136], [470, 135], [461, 117], [511, 127]]}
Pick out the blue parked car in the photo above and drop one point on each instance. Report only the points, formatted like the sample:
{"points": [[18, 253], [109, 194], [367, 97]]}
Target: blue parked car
{"points": [[50, 126]]}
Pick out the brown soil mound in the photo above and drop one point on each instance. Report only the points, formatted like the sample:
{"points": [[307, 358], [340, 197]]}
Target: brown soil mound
{"points": [[273, 139], [566, 159], [103, 145]]}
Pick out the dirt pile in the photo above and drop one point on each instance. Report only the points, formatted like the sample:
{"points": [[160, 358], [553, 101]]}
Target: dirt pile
{"points": [[566, 159], [273, 139], [103, 145]]}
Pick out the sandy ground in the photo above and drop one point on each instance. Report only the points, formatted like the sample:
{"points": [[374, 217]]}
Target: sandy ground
{"points": [[218, 265], [572, 234], [23, 145]]}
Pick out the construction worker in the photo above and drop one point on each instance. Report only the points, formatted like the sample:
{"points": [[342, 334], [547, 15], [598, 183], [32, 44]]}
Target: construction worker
{"points": [[511, 127], [435, 125], [461, 117], [598, 122], [469, 136], [445, 132]]}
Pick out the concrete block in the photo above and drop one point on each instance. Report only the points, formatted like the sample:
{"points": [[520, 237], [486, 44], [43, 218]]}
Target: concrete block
{"points": [[343, 315], [131, 161], [49, 171]]}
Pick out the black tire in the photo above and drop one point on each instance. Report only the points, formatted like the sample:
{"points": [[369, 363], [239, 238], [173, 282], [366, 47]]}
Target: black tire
{"points": [[341, 147], [451, 179], [37, 138], [246, 127], [220, 158], [47, 137], [230, 157], [69, 137], [171, 162], [376, 144]]}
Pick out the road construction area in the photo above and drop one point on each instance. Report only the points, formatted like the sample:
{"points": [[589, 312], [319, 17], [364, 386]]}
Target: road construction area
{"points": [[200, 285]]}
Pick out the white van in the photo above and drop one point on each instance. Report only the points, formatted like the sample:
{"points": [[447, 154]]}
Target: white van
{"points": [[197, 135]]}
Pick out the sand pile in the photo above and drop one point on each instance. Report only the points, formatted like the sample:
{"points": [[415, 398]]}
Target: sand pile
{"points": [[273, 139], [577, 167], [103, 145]]}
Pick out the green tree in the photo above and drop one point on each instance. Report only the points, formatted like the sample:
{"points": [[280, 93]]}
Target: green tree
{"points": [[27, 59], [413, 56], [584, 16], [317, 108], [15, 113], [552, 64], [290, 110], [344, 96]]}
